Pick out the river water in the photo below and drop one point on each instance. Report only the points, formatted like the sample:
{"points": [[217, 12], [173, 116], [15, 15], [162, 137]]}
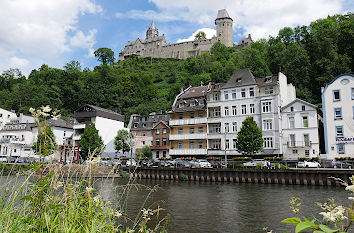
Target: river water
{"points": [[222, 207]]}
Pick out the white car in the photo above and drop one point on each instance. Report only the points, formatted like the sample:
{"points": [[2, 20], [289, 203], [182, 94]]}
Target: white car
{"points": [[131, 163], [201, 163], [309, 164], [253, 163]]}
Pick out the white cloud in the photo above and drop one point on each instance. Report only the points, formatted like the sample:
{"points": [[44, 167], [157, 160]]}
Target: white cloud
{"points": [[260, 18], [39, 30], [81, 40], [209, 32]]}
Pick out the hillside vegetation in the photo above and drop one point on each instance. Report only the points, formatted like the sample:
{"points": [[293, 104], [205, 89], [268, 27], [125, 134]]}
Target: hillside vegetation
{"points": [[310, 56]]}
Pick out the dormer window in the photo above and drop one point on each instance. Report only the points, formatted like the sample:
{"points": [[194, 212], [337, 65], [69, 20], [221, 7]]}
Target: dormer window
{"points": [[238, 80], [181, 105], [268, 79], [192, 104], [201, 102]]}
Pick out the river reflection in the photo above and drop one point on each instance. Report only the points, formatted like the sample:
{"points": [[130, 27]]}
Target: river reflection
{"points": [[223, 207]]}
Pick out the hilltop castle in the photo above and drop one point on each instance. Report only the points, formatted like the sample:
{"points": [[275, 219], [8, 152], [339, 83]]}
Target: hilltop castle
{"points": [[156, 46]]}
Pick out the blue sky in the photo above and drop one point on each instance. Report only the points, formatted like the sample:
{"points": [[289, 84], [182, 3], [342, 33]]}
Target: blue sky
{"points": [[36, 32]]}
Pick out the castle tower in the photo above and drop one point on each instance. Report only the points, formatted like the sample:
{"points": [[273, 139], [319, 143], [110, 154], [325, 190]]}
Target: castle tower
{"points": [[223, 24], [152, 31]]}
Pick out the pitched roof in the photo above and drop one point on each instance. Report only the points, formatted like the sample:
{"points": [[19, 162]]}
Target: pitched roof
{"points": [[240, 78], [267, 81], [162, 122], [223, 14], [152, 26], [195, 92], [97, 111], [299, 100], [60, 123]]}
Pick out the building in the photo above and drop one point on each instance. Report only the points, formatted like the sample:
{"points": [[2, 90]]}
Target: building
{"points": [[242, 96], [142, 127], [300, 130], [338, 116], [18, 136], [107, 123], [188, 119], [160, 144], [6, 116], [155, 46]]}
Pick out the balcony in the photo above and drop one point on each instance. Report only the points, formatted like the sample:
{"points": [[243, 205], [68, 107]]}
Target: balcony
{"points": [[299, 144], [79, 126], [160, 147], [188, 136], [77, 137], [190, 121], [214, 120], [188, 151]]}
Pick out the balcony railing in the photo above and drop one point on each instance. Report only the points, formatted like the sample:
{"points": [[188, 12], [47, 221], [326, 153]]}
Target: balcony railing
{"points": [[159, 147], [299, 144], [79, 126], [188, 136], [188, 151], [189, 121]]}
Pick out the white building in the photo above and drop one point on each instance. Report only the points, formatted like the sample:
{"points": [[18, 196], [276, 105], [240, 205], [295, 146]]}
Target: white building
{"points": [[18, 136], [106, 122], [6, 116], [300, 133], [338, 116]]}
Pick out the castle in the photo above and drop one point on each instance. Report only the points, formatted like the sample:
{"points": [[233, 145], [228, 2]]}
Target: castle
{"points": [[156, 46]]}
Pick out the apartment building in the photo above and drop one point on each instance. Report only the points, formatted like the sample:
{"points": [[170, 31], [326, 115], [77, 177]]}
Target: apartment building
{"points": [[188, 120], [338, 116], [6, 116], [160, 144]]}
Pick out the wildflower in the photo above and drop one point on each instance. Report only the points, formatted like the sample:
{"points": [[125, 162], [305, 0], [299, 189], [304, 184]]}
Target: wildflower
{"points": [[351, 198], [55, 117], [46, 108], [335, 215], [350, 188], [32, 110], [96, 199], [118, 214], [89, 189], [57, 185]]}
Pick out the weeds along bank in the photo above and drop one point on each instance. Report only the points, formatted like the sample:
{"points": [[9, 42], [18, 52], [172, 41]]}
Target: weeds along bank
{"points": [[56, 202]]}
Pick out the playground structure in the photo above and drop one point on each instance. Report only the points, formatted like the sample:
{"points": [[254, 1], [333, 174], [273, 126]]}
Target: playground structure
{"points": [[69, 151]]}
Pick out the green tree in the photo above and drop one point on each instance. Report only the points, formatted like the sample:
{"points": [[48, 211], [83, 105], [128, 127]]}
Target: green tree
{"points": [[90, 141], [200, 36], [45, 144], [124, 141], [249, 139], [146, 152], [104, 55]]}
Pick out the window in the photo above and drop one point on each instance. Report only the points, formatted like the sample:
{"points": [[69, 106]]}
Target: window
{"points": [[307, 140], [200, 144], [157, 142], [292, 140], [238, 80], [234, 111], [338, 114], [8, 116], [157, 154], [143, 142], [339, 131], [291, 122], [226, 95], [164, 153], [201, 102], [340, 148], [243, 109], [234, 143], [305, 122], [303, 108], [164, 141], [157, 131], [234, 126], [143, 133], [180, 130], [251, 91], [14, 150], [243, 93], [294, 151], [191, 145], [227, 128], [180, 145], [216, 96], [352, 93], [291, 109], [214, 128], [266, 107], [200, 129], [267, 124], [180, 116], [191, 115], [0, 114], [336, 95], [251, 108], [164, 131], [181, 105], [226, 111], [268, 142], [233, 94], [200, 114], [268, 90], [227, 144], [192, 104], [191, 130]]}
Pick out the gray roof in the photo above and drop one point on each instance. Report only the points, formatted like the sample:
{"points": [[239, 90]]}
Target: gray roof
{"points": [[195, 92], [299, 100], [61, 123], [156, 38], [271, 80], [152, 26], [222, 14], [138, 122], [97, 111], [240, 78]]}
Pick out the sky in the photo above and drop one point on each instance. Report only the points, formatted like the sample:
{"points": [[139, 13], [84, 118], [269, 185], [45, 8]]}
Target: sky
{"points": [[36, 32]]}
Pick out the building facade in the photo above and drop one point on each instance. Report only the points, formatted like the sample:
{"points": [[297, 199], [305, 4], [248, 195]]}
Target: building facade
{"points": [[6, 116], [188, 120], [300, 130], [338, 116], [160, 144], [155, 46], [107, 123]]}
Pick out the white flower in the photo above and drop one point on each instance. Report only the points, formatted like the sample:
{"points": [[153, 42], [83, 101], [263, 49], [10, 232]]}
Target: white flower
{"points": [[89, 189], [46, 108], [55, 117], [45, 114], [351, 198], [32, 110], [97, 199], [350, 188], [118, 214], [335, 215]]}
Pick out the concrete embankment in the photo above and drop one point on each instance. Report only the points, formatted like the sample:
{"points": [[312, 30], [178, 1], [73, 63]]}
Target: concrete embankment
{"points": [[266, 176]]}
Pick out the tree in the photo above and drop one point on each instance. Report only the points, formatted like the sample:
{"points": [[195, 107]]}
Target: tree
{"points": [[124, 141], [146, 152], [104, 55], [200, 36], [45, 144], [90, 141], [249, 139]]}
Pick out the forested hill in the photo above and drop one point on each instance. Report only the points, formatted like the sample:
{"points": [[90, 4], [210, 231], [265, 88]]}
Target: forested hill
{"points": [[310, 56]]}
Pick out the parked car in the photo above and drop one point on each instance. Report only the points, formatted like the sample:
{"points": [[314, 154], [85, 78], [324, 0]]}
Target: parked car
{"points": [[19, 160], [254, 163], [3, 159], [340, 164], [200, 163], [309, 164], [116, 162], [165, 163], [131, 163]]}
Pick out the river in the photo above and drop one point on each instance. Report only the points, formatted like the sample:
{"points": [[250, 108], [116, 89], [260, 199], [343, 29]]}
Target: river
{"points": [[222, 207]]}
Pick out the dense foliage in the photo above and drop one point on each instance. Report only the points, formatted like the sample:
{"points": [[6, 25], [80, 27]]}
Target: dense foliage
{"points": [[90, 141], [310, 56], [123, 141], [45, 144], [249, 140]]}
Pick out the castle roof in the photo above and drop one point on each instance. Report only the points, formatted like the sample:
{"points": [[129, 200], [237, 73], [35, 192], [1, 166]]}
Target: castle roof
{"points": [[222, 14], [240, 78], [152, 26]]}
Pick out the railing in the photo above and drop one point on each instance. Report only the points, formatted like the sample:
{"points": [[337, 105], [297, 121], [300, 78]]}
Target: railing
{"points": [[79, 126], [189, 121], [188, 151], [188, 136], [299, 144], [159, 147]]}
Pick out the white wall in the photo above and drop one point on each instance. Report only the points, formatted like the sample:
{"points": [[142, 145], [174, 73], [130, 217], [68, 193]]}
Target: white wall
{"points": [[5, 117]]}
